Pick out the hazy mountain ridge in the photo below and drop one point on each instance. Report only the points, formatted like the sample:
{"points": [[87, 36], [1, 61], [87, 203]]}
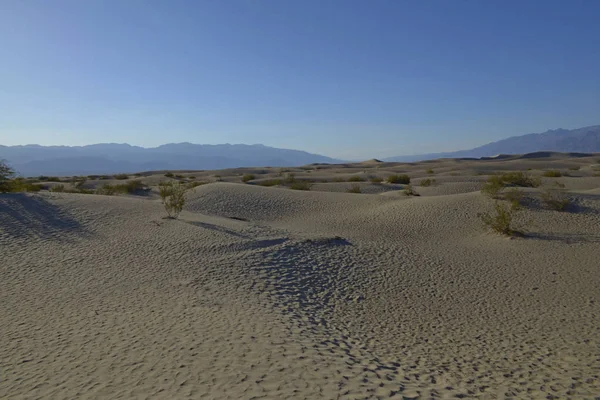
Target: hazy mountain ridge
{"points": [[585, 140], [108, 158]]}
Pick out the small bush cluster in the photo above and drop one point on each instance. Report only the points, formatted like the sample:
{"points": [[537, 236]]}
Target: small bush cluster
{"points": [[552, 174], [301, 185], [501, 220], [496, 183], [376, 179], [49, 179], [121, 177], [354, 188], [427, 182], [170, 175], [248, 177], [402, 179], [410, 191], [429, 171], [555, 198], [576, 168], [131, 187], [270, 182]]}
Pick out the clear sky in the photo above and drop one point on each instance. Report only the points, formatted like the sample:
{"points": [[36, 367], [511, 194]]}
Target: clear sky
{"points": [[345, 78]]}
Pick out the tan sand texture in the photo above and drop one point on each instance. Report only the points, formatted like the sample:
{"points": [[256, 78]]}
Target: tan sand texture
{"points": [[267, 292]]}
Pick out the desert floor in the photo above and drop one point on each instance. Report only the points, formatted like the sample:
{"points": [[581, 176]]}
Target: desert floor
{"points": [[268, 292]]}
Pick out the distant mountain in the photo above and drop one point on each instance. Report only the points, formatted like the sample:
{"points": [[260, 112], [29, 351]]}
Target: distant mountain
{"points": [[32, 160], [586, 140]]}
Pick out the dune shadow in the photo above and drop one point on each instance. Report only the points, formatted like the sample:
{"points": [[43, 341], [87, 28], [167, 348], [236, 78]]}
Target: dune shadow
{"points": [[23, 215], [568, 238], [218, 228]]}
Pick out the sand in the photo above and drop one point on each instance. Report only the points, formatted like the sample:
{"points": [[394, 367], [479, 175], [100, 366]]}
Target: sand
{"points": [[267, 292]]}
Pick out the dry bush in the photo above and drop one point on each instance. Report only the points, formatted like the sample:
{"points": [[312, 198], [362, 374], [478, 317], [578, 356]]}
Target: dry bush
{"points": [[427, 182], [403, 179], [172, 195], [429, 171], [519, 179], [410, 191], [501, 220], [58, 188], [493, 187], [289, 178], [354, 188], [170, 175], [577, 168], [248, 177], [270, 182], [301, 185], [552, 174], [555, 198], [376, 179], [338, 179], [515, 197]]}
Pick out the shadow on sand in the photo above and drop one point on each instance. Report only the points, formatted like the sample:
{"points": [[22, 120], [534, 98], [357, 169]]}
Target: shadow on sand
{"points": [[23, 215]]}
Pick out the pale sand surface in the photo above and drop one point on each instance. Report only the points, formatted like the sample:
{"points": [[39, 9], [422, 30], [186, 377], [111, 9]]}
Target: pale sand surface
{"points": [[266, 292]]}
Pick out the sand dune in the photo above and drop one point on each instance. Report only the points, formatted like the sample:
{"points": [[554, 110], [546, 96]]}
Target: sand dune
{"points": [[267, 292]]}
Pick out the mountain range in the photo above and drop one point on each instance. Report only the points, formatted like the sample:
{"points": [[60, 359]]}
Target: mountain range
{"points": [[32, 160], [584, 140]]}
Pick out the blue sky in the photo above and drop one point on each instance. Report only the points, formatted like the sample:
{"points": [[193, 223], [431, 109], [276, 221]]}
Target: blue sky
{"points": [[347, 78]]}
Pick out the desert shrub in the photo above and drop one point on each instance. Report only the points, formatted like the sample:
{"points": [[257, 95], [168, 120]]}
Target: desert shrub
{"points": [[191, 177], [403, 179], [107, 190], [301, 185], [376, 179], [519, 179], [338, 179], [248, 177], [493, 186], [555, 198], [131, 187], [410, 191], [105, 177], [169, 175], [121, 177], [270, 182], [576, 168], [19, 185], [429, 171], [58, 188], [427, 182], [515, 197], [192, 185], [172, 195], [354, 188], [552, 174], [289, 178], [79, 182], [179, 176], [356, 178], [501, 220], [6, 173]]}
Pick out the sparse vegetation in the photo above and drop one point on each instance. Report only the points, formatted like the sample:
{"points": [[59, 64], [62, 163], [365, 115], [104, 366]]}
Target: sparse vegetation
{"points": [[356, 178], [496, 183], [429, 171], [354, 188], [301, 185], [403, 179], [427, 182], [577, 168], [501, 220], [48, 178], [555, 198], [493, 187], [173, 196], [191, 177], [121, 177], [131, 187], [376, 179], [338, 179], [248, 177], [289, 178], [195, 184], [170, 175], [6, 173], [57, 188], [552, 174], [410, 191], [180, 176], [270, 182], [515, 197]]}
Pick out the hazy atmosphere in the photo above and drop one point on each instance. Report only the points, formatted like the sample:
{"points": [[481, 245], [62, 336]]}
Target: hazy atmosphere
{"points": [[347, 79]]}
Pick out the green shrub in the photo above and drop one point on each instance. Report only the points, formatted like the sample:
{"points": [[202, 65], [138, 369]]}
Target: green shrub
{"points": [[552, 174], [105, 177], [19, 185], [403, 179], [131, 187], [270, 182], [502, 220], [170, 175], [289, 178], [356, 178], [301, 185], [192, 185], [376, 179], [58, 188], [556, 199], [191, 177], [248, 177], [121, 177], [354, 188], [577, 168], [410, 191], [515, 197], [173, 196], [429, 171], [427, 182], [519, 179]]}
